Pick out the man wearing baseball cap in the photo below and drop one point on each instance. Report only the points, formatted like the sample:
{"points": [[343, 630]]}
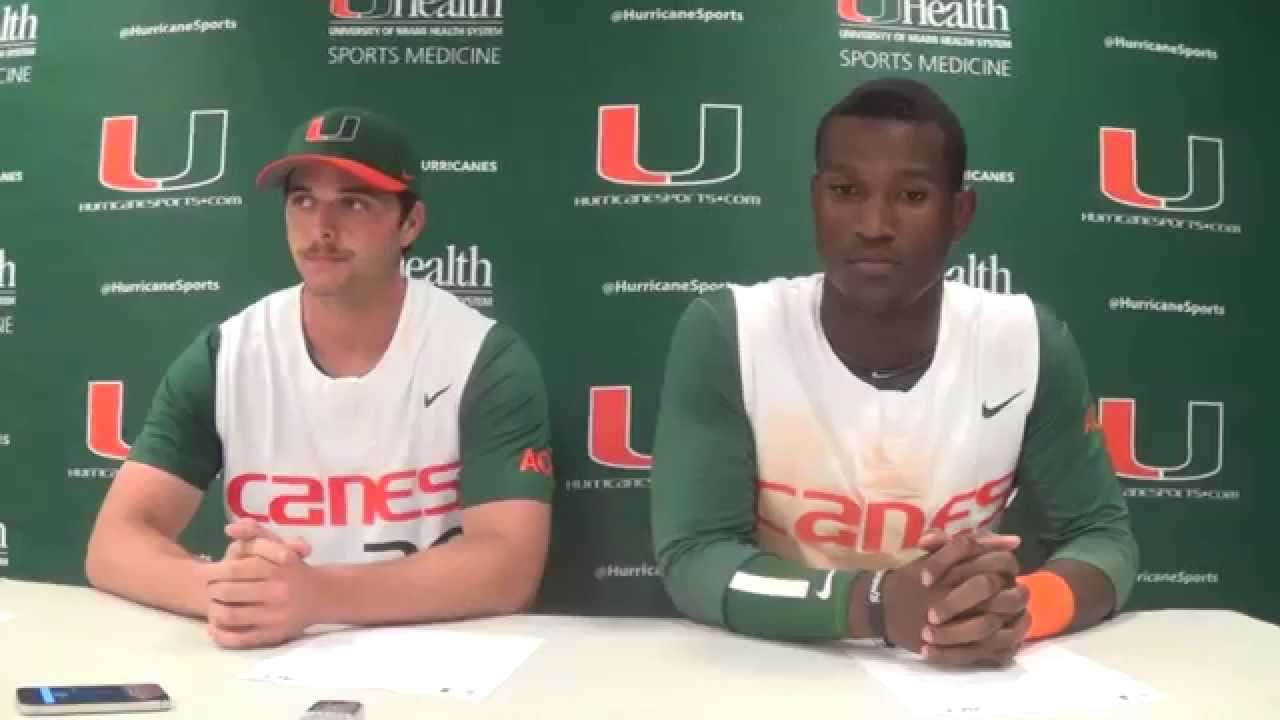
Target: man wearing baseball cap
{"points": [[383, 447]]}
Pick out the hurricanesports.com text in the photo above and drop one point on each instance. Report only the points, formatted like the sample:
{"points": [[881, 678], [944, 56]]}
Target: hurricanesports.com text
{"points": [[659, 287], [1185, 307], [162, 203], [172, 287], [1186, 53], [665, 15], [668, 198]]}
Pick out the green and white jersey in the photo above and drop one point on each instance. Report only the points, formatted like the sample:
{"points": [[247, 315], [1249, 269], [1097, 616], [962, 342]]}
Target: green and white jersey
{"points": [[364, 468], [850, 476], [779, 475]]}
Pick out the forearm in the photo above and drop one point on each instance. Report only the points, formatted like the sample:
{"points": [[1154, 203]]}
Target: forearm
{"points": [[1084, 582], [733, 584], [473, 575], [1091, 590], [1100, 566], [140, 563], [782, 600]]}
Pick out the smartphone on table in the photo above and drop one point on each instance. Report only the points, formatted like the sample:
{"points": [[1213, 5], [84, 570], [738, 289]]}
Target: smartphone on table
{"points": [[80, 699]]}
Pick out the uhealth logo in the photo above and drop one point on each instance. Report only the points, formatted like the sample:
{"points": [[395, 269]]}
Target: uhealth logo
{"points": [[416, 9], [18, 27], [955, 15], [206, 154], [1119, 174], [719, 148]]}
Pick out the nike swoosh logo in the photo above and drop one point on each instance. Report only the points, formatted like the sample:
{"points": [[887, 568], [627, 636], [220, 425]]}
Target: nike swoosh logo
{"points": [[989, 412], [825, 592], [428, 399]]}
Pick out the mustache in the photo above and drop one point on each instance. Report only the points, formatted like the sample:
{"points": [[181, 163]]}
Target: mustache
{"points": [[322, 253]]}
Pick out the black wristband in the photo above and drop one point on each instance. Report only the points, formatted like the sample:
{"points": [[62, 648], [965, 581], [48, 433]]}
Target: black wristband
{"points": [[875, 609]]}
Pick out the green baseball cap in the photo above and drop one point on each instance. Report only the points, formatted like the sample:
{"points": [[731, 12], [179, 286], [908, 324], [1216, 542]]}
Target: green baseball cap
{"points": [[361, 142]]}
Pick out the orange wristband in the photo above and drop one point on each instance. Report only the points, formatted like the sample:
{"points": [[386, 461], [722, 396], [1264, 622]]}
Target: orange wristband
{"points": [[1051, 603]]}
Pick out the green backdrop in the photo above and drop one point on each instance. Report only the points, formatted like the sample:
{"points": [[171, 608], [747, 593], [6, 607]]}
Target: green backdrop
{"points": [[591, 167]]}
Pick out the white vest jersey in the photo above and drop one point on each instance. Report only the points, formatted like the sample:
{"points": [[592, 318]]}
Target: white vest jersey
{"points": [[359, 467], [851, 476]]}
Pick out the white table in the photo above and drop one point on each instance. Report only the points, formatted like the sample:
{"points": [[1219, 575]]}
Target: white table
{"points": [[1211, 664]]}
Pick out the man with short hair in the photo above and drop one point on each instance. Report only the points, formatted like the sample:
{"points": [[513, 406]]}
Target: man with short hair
{"points": [[384, 446], [833, 451]]}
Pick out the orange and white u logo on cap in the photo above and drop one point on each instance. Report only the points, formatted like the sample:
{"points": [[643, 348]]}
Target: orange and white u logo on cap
{"points": [[346, 130]]}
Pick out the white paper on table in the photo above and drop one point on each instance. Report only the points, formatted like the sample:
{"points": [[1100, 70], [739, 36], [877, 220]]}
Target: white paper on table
{"points": [[416, 660], [1043, 676]]}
